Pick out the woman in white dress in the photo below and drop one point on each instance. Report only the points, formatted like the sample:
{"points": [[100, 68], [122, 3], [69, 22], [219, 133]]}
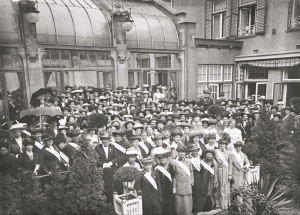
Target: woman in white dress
{"points": [[157, 96], [234, 133]]}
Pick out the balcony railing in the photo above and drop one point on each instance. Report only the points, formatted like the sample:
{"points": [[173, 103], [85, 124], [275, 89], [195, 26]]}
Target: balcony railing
{"points": [[295, 22], [247, 30]]}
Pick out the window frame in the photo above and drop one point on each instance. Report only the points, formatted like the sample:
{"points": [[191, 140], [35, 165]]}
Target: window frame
{"points": [[206, 73], [221, 76], [249, 5]]}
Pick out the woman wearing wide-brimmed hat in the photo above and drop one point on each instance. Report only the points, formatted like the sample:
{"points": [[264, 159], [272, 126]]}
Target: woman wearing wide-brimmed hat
{"points": [[166, 175], [49, 157], [238, 165], [223, 191], [183, 182], [28, 159], [149, 187], [198, 189], [209, 172]]}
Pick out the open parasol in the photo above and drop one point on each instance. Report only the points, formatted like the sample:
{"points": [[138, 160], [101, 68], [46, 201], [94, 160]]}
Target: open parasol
{"points": [[36, 96], [41, 111]]}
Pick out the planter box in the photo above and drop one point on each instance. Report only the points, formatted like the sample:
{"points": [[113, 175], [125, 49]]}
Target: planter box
{"points": [[131, 205], [253, 175]]}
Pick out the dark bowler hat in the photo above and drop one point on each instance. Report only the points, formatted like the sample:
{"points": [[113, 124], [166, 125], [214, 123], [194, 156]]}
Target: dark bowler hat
{"points": [[117, 133], [176, 132], [223, 142], [209, 151], [36, 130], [146, 161], [48, 137], [60, 138], [127, 122], [159, 137], [105, 136], [28, 141], [135, 137], [238, 143], [193, 147], [182, 149]]}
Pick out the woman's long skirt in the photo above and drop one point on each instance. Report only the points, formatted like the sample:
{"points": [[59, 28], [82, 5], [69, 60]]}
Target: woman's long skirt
{"points": [[183, 204]]}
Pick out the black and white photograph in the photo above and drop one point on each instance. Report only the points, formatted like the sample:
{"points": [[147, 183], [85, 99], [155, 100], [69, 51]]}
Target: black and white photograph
{"points": [[149, 107]]}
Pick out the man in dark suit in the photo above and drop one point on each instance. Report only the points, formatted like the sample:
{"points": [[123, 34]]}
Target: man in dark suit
{"points": [[63, 103], [246, 126], [149, 187], [107, 160], [288, 121], [16, 146], [205, 102]]}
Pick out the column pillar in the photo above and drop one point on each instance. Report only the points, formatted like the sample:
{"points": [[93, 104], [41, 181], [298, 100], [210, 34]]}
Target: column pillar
{"points": [[152, 72], [189, 70], [32, 55]]}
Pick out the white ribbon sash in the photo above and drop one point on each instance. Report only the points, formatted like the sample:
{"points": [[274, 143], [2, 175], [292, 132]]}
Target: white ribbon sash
{"points": [[151, 141], [184, 167], [196, 163], [151, 180], [167, 142], [54, 152], [142, 144], [222, 158], [239, 158], [74, 145], [164, 171], [120, 148], [206, 166], [39, 145], [64, 157]]}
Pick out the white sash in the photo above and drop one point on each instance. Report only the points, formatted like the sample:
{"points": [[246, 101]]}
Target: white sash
{"points": [[74, 145], [238, 158], [39, 145], [166, 142], [120, 148], [164, 171], [196, 163], [206, 166], [64, 157], [222, 158], [142, 144], [54, 152], [151, 180], [184, 167], [151, 141]]}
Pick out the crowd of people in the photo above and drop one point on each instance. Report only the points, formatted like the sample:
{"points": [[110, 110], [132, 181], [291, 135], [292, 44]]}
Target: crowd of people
{"points": [[190, 158]]}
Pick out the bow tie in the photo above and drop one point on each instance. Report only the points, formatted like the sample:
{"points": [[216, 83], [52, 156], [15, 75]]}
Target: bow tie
{"points": [[105, 146]]}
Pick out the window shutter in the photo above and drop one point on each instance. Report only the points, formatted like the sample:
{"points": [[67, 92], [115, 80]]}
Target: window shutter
{"points": [[260, 16], [227, 19], [208, 19], [234, 18], [290, 14]]}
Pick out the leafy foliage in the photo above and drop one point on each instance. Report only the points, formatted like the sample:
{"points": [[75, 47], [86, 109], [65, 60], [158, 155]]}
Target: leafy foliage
{"points": [[97, 120], [215, 110], [79, 192], [127, 173], [257, 198]]}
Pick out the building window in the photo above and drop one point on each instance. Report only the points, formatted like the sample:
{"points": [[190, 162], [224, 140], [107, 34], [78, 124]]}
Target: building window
{"points": [[201, 87], [215, 73], [247, 20], [257, 73], [295, 14], [219, 10], [163, 61], [227, 89], [292, 72], [227, 73], [202, 74]]}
